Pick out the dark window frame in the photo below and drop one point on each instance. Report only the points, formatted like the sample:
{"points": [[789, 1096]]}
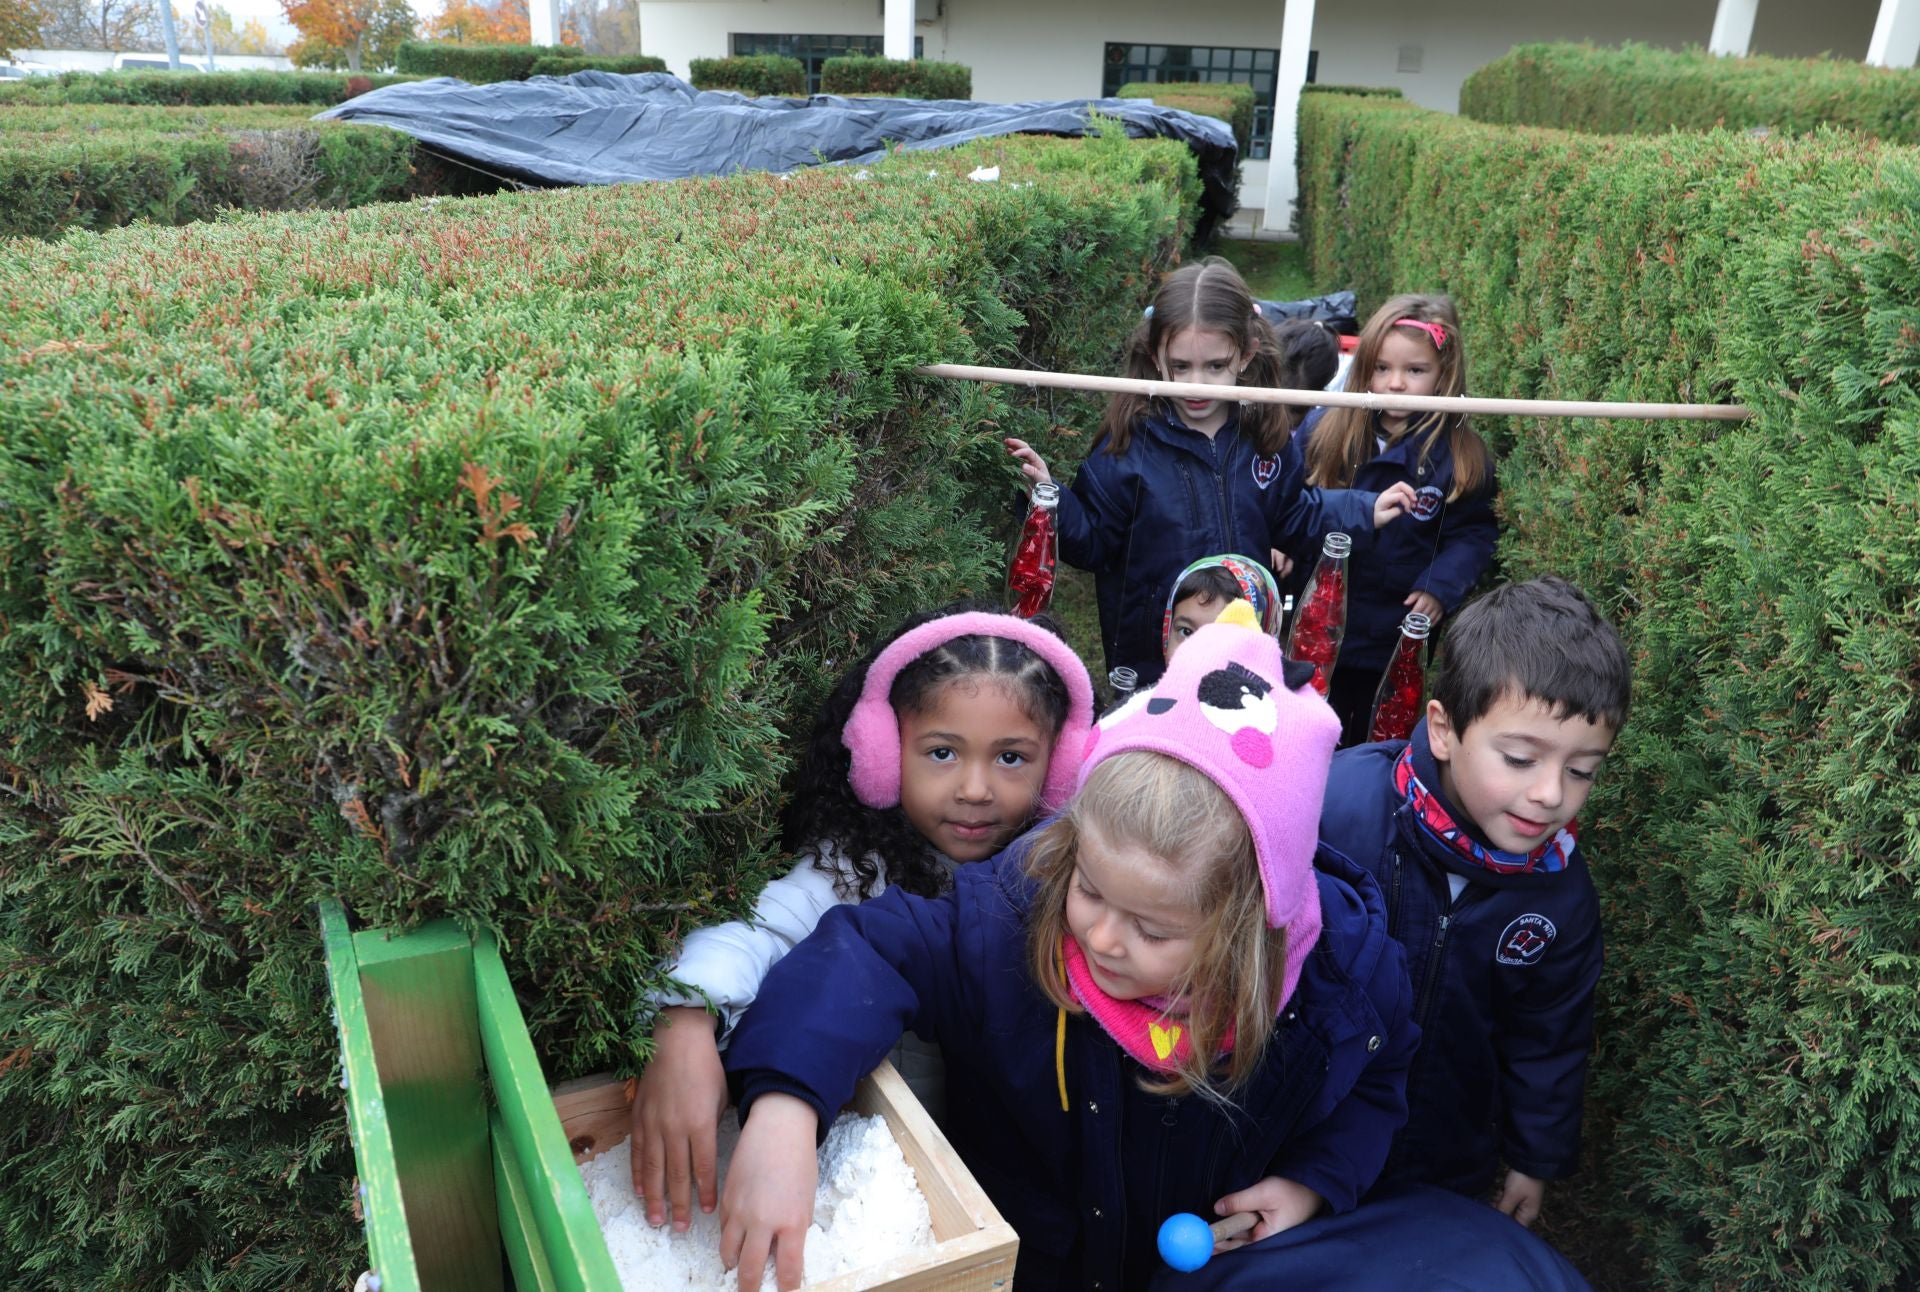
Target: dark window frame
{"points": [[1126, 62]]}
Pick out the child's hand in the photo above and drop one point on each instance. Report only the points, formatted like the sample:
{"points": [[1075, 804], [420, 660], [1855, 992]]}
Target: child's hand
{"points": [[1395, 500], [768, 1204], [1521, 1197], [1279, 562], [1424, 603], [1281, 1203], [1032, 466], [676, 1113]]}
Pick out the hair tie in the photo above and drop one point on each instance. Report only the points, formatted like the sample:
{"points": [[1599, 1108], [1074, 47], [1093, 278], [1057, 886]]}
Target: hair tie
{"points": [[1147, 313]]}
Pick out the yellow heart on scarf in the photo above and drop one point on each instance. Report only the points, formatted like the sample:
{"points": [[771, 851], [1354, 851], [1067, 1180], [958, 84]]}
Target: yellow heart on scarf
{"points": [[1163, 1038]]}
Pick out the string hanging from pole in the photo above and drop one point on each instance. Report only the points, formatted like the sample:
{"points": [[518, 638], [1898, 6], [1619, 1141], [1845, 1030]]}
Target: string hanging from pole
{"points": [[1033, 377]]}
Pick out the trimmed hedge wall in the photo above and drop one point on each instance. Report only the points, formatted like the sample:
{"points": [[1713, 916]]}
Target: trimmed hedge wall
{"points": [[1363, 91], [902, 78], [478, 64], [1754, 1119], [754, 74], [623, 64], [480, 559], [186, 89], [1641, 89], [98, 166], [1231, 102]]}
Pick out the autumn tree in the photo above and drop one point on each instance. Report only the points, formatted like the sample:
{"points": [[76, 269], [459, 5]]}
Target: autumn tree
{"points": [[355, 34], [99, 24], [19, 26], [475, 22]]}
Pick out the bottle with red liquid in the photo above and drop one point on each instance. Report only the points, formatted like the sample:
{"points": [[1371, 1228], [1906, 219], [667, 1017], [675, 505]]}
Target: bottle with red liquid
{"points": [[1030, 577], [1321, 621], [1396, 705]]}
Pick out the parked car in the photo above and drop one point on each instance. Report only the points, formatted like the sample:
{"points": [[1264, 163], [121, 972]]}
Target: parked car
{"points": [[17, 69]]}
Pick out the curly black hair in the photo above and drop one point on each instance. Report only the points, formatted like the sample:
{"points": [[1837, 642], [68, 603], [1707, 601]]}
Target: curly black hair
{"points": [[880, 843]]}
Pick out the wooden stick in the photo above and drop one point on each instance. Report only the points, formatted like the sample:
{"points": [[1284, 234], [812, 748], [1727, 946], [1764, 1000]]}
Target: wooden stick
{"points": [[1238, 1223], [1341, 398]]}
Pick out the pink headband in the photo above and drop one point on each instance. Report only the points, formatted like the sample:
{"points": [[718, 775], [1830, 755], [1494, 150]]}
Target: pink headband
{"points": [[1434, 330], [872, 734]]}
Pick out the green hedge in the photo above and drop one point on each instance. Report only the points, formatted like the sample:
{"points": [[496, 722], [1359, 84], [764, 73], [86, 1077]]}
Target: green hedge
{"points": [[479, 559], [478, 64], [1640, 89], [1755, 1111], [1363, 91], [914, 78], [623, 64], [754, 74], [186, 89], [94, 166], [1231, 103]]}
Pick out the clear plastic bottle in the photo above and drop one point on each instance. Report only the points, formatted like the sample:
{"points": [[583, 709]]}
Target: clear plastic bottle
{"points": [[1396, 705], [1030, 576]]}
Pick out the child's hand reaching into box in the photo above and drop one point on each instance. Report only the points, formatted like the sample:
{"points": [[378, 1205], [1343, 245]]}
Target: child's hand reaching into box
{"points": [[768, 1202]]}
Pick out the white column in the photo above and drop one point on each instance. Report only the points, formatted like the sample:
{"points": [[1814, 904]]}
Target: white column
{"points": [[897, 41], [1283, 181], [1733, 28], [545, 18], [1896, 34]]}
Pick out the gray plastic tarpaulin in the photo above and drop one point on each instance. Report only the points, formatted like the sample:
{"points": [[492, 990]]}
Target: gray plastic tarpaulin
{"points": [[604, 128]]}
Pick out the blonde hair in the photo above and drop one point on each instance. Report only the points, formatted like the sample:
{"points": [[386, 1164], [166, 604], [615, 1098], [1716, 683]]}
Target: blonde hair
{"points": [[1178, 816], [1343, 441]]}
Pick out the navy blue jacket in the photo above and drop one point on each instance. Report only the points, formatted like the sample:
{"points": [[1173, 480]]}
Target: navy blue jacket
{"points": [[1506, 1023], [1086, 1190], [1136, 520], [1441, 547]]}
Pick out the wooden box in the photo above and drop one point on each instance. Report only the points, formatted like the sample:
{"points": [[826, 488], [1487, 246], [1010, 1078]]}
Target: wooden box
{"points": [[973, 1247], [467, 1161]]}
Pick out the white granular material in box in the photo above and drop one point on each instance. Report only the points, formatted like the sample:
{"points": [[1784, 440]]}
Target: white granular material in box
{"points": [[868, 1209]]}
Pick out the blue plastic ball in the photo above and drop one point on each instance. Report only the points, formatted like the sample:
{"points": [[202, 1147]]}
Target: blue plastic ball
{"points": [[1186, 1242]]}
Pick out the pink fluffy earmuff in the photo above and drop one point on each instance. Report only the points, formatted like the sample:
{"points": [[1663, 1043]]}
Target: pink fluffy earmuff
{"points": [[872, 734]]}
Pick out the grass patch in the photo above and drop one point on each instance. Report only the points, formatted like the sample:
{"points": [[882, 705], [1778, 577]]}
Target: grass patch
{"points": [[1276, 271]]}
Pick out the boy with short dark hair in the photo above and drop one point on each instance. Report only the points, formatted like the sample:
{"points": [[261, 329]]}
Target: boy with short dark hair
{"points": [[1469, 829], [1210, 585]]}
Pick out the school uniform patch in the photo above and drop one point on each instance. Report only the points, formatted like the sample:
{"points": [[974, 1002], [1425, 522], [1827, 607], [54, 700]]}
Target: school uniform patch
{"points": [[1426, 502], [1525, 940], [1266, 471]]}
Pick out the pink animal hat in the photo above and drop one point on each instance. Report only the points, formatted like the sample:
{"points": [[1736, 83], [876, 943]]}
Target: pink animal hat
{"points": [[1230, 706], [872, 734]]}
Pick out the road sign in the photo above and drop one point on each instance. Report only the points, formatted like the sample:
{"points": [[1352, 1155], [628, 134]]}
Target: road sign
{"points": [[200, 12]]}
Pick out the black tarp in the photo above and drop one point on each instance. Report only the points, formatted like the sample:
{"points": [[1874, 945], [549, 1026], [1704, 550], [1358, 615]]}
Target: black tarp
{"points": [[604, 128]]}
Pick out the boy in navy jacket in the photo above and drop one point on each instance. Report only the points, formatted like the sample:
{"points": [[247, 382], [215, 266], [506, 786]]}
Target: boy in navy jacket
{"points": [[1469, 829]]}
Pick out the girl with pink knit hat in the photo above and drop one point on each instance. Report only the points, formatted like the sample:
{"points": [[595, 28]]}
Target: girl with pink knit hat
{"points": [[1158, 1001], [937, 748]]}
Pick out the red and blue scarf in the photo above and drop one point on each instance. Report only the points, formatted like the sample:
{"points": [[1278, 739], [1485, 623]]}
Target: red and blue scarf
{"points": [[1436, 821]]}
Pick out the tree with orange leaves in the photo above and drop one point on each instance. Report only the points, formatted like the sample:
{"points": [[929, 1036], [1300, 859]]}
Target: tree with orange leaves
{"points": [[473, 22], [357, 33]]}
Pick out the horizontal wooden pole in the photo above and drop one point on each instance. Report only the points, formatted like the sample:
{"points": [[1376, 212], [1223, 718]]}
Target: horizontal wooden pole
{"points": [[1341, 398]]}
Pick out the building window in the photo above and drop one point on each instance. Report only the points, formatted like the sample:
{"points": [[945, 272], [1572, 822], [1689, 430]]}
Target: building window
{"points": [[1127, 63], [815, 50]]}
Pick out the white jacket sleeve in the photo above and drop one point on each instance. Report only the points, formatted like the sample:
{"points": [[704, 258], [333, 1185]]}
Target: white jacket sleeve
{"points": [[724, 965]]}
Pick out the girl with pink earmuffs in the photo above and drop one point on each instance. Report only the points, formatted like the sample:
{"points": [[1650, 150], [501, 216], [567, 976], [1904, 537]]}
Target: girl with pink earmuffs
{"points": [[934, 751]]}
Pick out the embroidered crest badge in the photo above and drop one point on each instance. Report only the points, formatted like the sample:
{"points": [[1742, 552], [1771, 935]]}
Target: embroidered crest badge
{"points": [[1426, 502], [1525, 940], [1266, 471]]}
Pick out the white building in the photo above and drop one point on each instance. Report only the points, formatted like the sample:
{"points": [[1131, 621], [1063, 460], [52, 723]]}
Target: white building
{"points": [[1061, 49]]}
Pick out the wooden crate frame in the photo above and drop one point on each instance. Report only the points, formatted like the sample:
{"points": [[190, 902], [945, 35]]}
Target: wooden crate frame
{"points": [[974, 1248]]}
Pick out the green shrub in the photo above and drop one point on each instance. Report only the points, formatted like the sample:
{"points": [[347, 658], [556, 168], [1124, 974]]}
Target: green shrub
{"points": [[1641, 89], [752, 74], [1231, 102], [478, 64], [1754, 1119], [184, 89], [623, 64], [477, 559], [914, 78], [95, 166], [1364, 91]]}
